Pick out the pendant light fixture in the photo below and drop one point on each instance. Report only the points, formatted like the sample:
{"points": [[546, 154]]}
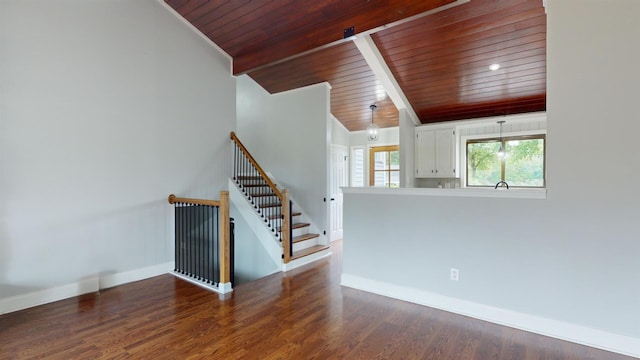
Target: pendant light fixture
{"points": [[372, 129], [501, 152]]}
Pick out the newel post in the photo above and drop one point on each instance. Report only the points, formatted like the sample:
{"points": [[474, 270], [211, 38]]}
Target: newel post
{"points": [[225, 237]]}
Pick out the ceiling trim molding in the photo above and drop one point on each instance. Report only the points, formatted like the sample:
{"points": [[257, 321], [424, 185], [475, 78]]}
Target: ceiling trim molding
{"points": [[376, 62]]}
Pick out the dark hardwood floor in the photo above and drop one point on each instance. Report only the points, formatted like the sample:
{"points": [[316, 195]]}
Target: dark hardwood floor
{"points": [[303, 314]]}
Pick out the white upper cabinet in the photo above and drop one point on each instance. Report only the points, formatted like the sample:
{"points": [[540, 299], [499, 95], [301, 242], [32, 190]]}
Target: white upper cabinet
{"points": [[436, 153], [425, 159]]}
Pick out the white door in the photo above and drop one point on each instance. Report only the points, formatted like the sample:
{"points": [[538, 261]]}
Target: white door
{"points": [[339, 178]]}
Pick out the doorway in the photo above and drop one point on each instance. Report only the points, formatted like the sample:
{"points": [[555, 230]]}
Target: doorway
{"points": [[339, 178]]}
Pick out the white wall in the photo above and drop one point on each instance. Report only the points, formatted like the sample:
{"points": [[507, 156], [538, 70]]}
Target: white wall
{"points": [[251, 260], [339, 133], [572, 258], [407, 137], [106, 107], [387, 136], [289, 134]]}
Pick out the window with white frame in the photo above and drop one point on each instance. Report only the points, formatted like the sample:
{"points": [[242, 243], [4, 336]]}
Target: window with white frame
{"points": [[521, 165], [357, 166]]}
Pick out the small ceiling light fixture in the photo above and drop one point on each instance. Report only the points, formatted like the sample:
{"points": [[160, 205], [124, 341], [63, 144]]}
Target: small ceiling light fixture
{"points": [[372, 129], [494, 67], [501, 153]]}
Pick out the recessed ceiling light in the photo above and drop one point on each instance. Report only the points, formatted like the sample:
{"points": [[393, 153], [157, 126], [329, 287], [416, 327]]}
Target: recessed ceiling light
{"points": [[494, 67]]}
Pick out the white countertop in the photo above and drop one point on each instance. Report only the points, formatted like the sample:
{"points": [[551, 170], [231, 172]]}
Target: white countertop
{"points": [[515, 193]]}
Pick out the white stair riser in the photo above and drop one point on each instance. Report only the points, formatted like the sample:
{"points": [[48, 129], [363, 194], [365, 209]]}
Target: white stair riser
{"points": [[300, 231], [305, 244]]}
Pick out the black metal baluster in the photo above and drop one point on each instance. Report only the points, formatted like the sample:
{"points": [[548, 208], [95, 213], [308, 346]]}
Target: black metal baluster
{"points": [[244, 172], [232, 240], [198, 244], [185, 239], [205, 239], [190, 246], [205, 243], [257, 181], [187, 223], [182, 219], [235, 162], [176, 263], [185, 219], [216, 247], [201, 214], [187, 245], [207, 252], [196, 241], [252, 181], [279, 223], [290, 228], [212, 239], [178, 237]]}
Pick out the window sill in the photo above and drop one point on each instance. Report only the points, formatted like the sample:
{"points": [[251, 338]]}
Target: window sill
{"points": [[458, 192]]}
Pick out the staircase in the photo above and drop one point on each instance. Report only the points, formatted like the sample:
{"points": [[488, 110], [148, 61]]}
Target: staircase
{"points": [[288, 226], [268, 207]]}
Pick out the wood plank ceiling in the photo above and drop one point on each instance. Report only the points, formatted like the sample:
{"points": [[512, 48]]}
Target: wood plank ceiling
{"points": [[440, 60]]}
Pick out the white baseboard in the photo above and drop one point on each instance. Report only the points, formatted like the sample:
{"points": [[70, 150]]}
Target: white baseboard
{"points": [[111, 280], [44, 296], [83, 286], [294, 264], [222, 288], [604, 340]]}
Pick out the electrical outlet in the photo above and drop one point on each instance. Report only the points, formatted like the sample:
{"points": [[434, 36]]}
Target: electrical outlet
{"points": [[454, 274]]}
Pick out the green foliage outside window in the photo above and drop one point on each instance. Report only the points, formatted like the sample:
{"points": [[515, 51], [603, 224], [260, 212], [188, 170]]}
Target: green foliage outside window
{"points": [[523, 165], [386, 166]]}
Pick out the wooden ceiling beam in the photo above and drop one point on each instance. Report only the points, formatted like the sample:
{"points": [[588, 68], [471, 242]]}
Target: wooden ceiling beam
{"points": [[379, 67]]}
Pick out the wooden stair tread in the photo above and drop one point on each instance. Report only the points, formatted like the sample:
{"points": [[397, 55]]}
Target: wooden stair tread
{"points": [[304, 237], [254, 185], [262, 206], [294, 226], [249, 177], [262, 194], [277, 216], [308, 251]]}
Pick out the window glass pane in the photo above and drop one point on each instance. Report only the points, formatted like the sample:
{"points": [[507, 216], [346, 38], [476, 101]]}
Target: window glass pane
{"points": [[380, 178], [394, 160], [524, 165], [357, 176], [381, 160], [395, 179], [484, 167]]}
